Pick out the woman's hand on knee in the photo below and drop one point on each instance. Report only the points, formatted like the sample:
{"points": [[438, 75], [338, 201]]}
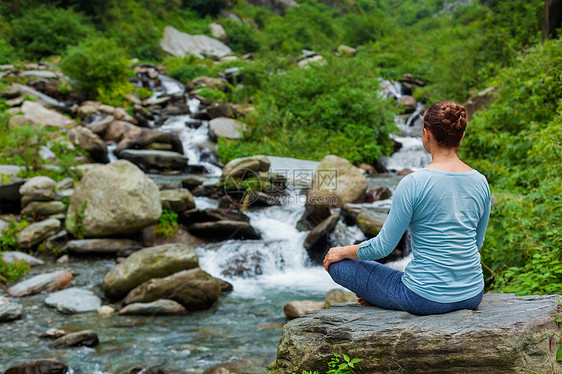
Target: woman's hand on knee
{"points": [[335, 254]]}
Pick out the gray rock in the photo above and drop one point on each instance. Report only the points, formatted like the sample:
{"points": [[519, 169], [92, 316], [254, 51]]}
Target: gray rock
{"points": [[146, 138], [148, 263], [113, 199], [369, 219], [338, 295], [117, 247], [218, 32], [222, 230], [10, 311], [179, 44], [39, 366], [74, 300], [336, 182], [37, 185], [3, 226], [346, 50], [37, 113], [43, 208], [87, 108], [43, 99], [507, 334], [119, 130], [41, 282], [317, 239], [39, 74], [89, 141], [408, 103], [147, 159], [238, 168], [160, 307], [223, 127], [37, 232], [178, 200], [214, 83], [194, 289], [86, 338], [65, 184], [10, 170], [99, 127], [311, 60], [14, 256], [52, 333], [298, 308]]}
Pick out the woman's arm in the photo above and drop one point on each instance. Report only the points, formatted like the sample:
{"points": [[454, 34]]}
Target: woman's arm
{"points": [[336, 254]]}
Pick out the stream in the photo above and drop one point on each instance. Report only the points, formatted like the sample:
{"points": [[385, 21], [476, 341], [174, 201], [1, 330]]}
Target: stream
{"points": [[243, 326]]}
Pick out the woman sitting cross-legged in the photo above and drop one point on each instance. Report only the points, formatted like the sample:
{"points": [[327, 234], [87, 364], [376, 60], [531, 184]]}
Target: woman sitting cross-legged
{"points": [[446, 207]]}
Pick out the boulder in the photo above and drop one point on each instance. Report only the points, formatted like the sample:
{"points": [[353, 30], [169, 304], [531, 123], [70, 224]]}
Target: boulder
{"points": [[336, 182], [223, 230], [116, 198], [119, 130], [337, 295], [313, 215], [369, 219], [100, 126], [39, 366], [147, 159], [11, 257], [43, 282], [346, 50], [297, 309], [37, 113], [311, 60], [117, 247], [507, 334], [147, 138], [161, 307], [74, 300], [10, 311], [37, 185], [223, 127], [238, 168], [87, 140], [212, 215], [316, 242], [194, 289], [43, 208], [179, 44], [148, 263], [377, 193], [177, 200], [408, 103], [218, 32], [65, 184], [45, 100], [52, 333], [37, 232], [86, 338], [214, 83]]}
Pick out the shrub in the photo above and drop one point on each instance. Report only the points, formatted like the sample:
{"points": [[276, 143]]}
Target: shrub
{"points": [[7, 52], [98, 67], [46, 30], [186, 68], [167, 226], [204, 7]]}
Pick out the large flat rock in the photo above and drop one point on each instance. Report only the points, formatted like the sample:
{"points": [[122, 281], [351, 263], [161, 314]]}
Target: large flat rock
{"points": [[507, 334]]}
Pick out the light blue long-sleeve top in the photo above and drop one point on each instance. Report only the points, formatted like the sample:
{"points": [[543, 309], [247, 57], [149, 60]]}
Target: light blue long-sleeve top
{"points": [[446, 214]]}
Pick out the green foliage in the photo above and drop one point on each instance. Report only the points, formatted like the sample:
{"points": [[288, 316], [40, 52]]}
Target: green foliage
{"points": [[8, 239], [241, 37], [315, 111], [9, 273], [211, 94], [345, 367], [167, 226], [186, 68], [7, 52], [517, 144], [45, 30], [99, 68], [204, 7]]}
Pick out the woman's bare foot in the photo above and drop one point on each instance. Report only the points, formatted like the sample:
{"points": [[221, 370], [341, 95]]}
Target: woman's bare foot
{"points": [[362, 301]]}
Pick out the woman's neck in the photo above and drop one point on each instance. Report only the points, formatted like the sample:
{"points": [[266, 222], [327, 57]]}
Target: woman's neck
{"points": [[446, 159]]}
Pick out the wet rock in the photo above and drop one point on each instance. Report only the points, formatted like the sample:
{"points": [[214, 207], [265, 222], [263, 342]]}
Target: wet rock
{"points": [[112, 199], [336, 182], [74, 300], [377, 193], [43, 208], [177, 200], [10, 311], [148, 263], [52, 334], [507, 334], [218, 32], [222, 230], [410, 84], [43, 282], [408, 103], [41, 98], [160, 307], [39, 366], [11, 257], [86, 338], [119, 130], [223, 127], [213, 215], [316, 242], [369, 219], [148, 138], [337, 296], [297, 309], [152, 370], [105, 310], [225, 286], [37, 232], [87, 140], [179, 44], [147, 159], [100, 126], [37, 113], [88, 108], [313, 215], [194, 289], [278, 6], [64, 259], [116, 247], [238, 168]]}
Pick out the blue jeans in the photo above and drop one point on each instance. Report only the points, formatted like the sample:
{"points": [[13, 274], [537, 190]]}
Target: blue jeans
{"points": [[382, 286]]}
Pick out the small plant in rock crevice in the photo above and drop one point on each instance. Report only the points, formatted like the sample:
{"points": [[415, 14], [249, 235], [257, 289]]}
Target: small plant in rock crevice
{"points": [[167, 225]]}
